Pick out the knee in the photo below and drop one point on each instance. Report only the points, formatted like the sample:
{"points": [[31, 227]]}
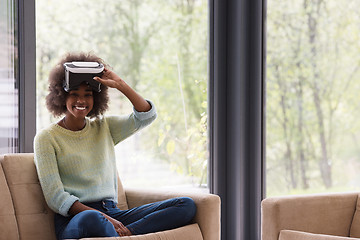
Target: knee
{"points": [[90, 218], [189, 207], [83, 224]]}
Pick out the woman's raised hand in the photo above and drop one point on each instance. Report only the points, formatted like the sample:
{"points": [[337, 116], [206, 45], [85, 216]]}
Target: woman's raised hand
{"points": [[111, 79]]}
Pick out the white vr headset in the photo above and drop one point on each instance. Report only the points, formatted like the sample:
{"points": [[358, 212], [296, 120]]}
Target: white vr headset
{"points": [[77, 73]]}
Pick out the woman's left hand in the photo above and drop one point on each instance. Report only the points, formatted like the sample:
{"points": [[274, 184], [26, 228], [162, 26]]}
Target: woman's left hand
{"points": [[111, 79]]}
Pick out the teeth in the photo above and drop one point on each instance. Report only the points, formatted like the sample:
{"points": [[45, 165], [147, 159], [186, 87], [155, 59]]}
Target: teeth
{"points": [[80, 108]]}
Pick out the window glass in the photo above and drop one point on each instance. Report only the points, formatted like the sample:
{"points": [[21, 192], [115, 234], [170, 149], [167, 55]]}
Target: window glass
{"points": [[312, 102], [8, 77], [160, 49]]}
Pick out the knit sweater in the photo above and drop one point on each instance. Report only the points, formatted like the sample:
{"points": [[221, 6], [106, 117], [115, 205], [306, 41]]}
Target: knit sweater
{"points": [[81, 165]]}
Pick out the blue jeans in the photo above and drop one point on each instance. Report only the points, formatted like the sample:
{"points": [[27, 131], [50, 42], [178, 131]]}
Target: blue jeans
{"points": [[148, 218]]}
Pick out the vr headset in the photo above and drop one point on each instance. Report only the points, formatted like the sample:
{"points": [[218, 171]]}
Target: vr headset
{"points": [[78, 72]]}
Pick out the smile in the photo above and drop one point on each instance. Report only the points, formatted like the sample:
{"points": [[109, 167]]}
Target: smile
{"points": [[81, 108]]}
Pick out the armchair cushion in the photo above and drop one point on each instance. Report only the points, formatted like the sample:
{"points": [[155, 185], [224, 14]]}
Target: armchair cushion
{"points": [[187, 232], [296, 235], [207, 214]]}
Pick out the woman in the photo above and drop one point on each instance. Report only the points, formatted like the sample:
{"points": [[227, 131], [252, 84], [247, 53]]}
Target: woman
{"points": [[76, 164]]}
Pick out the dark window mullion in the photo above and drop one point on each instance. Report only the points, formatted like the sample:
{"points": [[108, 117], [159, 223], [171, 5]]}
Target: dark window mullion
{"points": [[27, 74]]}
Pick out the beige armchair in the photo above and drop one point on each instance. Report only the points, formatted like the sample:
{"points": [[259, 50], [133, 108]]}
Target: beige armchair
{"points": [[25, 215], [333, 216]]}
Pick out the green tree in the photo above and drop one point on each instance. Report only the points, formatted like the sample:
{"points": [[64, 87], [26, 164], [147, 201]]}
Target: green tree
{"points": [[310, 82]]}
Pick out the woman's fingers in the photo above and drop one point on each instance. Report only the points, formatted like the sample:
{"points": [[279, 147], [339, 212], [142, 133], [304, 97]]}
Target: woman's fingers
{"points": [[108, 82], [121, 229]]}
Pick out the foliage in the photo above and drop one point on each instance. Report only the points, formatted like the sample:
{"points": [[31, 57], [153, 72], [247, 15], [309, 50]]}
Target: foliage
{"points": [[312, 80], [160, 48]]}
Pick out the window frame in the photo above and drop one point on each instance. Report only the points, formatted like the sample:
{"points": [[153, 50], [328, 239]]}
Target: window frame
{"points": [[237, 109], [27, 75]]}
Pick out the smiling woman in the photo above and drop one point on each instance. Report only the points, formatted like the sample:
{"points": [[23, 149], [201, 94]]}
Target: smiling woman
{"points": [[56, 99], [76, 164], [79, 103]]}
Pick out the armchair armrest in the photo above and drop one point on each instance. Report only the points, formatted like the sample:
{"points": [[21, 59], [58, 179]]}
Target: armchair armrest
{"points": [[208, 207], [330, 214]]}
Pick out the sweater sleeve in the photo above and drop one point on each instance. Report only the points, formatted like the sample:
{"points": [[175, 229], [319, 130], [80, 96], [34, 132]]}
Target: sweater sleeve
{"points": [[121, 127], [56, 197]]}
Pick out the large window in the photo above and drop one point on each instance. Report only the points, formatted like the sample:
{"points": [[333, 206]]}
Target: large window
{"points": [[313, 83], [160, 49], [8, 77]]}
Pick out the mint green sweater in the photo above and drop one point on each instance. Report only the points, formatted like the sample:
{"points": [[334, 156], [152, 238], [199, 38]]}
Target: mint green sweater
{"points": [[81, 165]]}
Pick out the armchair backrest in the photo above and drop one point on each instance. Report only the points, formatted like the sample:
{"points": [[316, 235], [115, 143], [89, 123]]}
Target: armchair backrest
{"points": [[355, 225], [34, 219], [8, 224], [330, 214]]}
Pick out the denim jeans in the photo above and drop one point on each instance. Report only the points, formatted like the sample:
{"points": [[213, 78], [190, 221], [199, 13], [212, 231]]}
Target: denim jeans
{"points": [[148, 218]]}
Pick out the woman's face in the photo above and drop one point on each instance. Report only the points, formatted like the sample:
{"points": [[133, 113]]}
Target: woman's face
{"points": [[80, 102]]}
